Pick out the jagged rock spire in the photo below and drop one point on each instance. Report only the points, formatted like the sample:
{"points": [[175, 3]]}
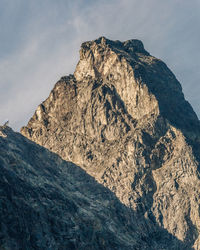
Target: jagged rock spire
{"points": [[122, 117]]}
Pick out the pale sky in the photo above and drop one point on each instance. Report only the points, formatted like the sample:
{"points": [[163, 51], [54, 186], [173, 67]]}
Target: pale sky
{"points": [[40, 42]]}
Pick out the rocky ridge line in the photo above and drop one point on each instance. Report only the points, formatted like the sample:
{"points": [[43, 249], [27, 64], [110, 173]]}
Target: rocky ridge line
{"points": [[48, 203], [123, 118]]}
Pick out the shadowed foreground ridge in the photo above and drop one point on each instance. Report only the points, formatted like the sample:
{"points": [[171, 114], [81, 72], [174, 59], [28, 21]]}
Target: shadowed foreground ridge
{"points": [[123, 118], [48, 203]]}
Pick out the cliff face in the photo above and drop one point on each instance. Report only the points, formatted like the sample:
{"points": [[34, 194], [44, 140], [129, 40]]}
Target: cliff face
{"points": [[123, 118], [48, 203]]}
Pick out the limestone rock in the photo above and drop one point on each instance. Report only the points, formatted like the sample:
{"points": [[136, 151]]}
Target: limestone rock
{"points": [[123, 118]]}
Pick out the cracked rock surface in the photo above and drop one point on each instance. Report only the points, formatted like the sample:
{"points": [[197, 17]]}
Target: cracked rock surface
{"points": [[122, 117], [48, 203]]}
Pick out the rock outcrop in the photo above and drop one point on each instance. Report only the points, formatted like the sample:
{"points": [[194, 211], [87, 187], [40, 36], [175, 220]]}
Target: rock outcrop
{"points": [[122, 117], [48, 203]]}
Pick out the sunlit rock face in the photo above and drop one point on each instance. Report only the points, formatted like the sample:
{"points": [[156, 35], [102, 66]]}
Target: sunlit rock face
{"points": [[123, 118], [48, 203]]}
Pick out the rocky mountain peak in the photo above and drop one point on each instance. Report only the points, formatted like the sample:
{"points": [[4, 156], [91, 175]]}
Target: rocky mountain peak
{"points": [[144, 83], [96, 55], [123, 118], [132, 45]]}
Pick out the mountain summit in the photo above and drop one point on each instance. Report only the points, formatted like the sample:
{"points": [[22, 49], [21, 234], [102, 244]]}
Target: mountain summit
{"points": [[123, 118]]}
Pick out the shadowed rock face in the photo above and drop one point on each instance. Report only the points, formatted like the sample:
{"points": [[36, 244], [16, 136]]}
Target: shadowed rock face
{"points": [[123, 118], [48, 203]]}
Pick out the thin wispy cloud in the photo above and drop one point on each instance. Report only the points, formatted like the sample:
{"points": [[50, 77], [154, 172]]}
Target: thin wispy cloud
{"points": [[40, 41]]}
